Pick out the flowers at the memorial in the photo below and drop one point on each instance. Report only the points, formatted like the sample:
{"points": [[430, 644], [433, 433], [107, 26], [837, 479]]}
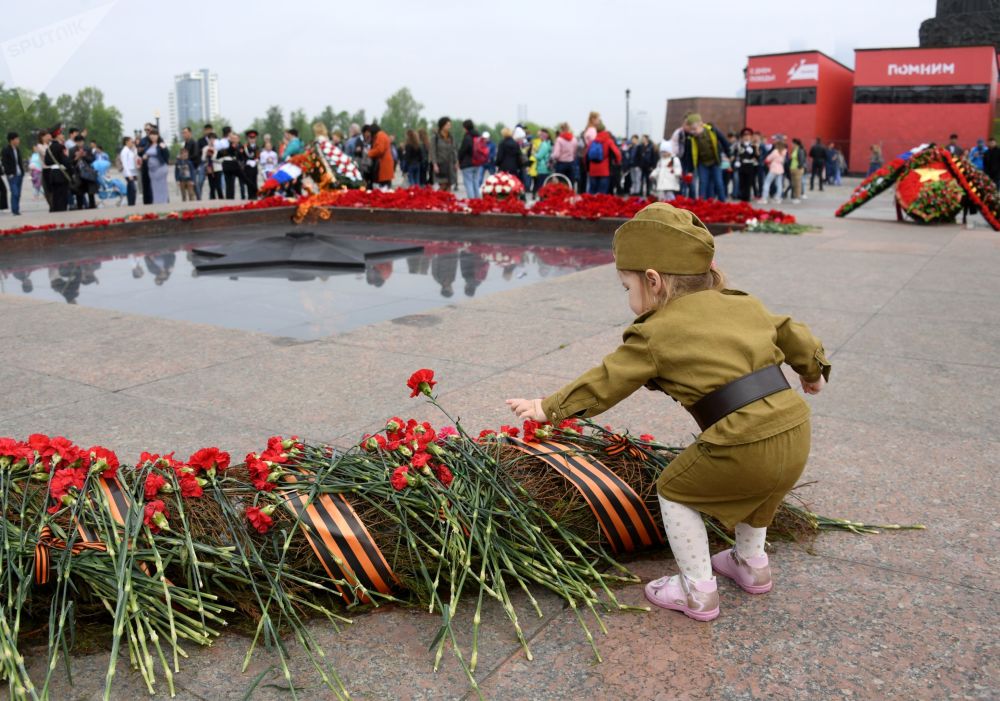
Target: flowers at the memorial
{"points": [[103, 461], [155, 516], [421, 382], [154, 483], [501, 185], [209, 460], [64, 483], [260, 517]]}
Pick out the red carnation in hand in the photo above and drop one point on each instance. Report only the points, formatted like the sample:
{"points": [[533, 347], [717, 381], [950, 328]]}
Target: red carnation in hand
{"points": [[444, 475], [400, 479], [105, 460], [62, 481], [421, 381], [153, 484], [259, 518], [208, 459], [155, 516]]}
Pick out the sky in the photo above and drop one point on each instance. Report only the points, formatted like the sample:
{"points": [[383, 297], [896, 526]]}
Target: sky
{"points": [[492, 62]]}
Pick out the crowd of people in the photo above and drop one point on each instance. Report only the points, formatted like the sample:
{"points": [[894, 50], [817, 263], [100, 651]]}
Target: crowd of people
{"points": [[698, 160]]}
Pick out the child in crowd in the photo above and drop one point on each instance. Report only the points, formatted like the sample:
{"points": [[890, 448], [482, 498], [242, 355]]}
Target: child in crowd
{"points": [[775, 162], [667, 174], [718, 352], [184, 175]]}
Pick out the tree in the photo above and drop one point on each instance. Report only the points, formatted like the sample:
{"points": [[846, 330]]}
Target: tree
{"points": [[298, 120], [87, 109], [273, 123], [358, 118], [402, 112]]}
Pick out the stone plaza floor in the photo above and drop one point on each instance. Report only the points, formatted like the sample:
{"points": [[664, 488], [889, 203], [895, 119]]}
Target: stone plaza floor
{"points": [[907, 431]]}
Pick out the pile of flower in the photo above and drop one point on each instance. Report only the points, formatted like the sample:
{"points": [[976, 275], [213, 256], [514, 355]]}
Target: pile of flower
{"points": [[169, 549], [501, 185], [875, 184]]}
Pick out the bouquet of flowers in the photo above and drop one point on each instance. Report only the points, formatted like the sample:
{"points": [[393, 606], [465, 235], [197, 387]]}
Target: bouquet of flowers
{"points": [[501, 185]]}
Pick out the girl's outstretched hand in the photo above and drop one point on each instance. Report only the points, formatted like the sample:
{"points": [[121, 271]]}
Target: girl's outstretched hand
{"points": [[527, 409], [813, 387]]}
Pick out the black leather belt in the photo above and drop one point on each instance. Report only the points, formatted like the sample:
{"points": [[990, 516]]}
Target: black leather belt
{"points": [[715, 406]]}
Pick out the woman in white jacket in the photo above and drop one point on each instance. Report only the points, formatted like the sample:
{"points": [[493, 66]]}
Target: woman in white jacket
{"points": [[667, 173]]}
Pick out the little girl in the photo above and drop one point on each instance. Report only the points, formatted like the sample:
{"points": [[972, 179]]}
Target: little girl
{"points": [[667, 173], [717, 352], [775, 172]]}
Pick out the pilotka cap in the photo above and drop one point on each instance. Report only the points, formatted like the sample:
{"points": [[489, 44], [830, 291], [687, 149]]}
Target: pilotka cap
{"points": [[666, 239]]}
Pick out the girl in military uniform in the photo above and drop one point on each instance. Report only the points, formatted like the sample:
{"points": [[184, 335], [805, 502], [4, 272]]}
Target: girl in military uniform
{"points": [[717, 352]]}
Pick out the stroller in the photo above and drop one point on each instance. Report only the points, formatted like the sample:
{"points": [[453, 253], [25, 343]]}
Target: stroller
{"points": [[109, 187]]}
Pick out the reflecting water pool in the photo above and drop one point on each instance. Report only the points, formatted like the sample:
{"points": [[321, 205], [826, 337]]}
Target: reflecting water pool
{"points": [[298, 303]]}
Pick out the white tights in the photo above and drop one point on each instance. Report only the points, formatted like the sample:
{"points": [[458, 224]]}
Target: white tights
{"points": [[689, 540]]}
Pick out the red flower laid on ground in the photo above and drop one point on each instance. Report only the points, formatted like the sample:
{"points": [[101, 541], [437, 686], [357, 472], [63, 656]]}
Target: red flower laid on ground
{"points": [[509, 431], [155, 516], [154, 482], [103, 459], [259, 519], [209, 459], [647, 437], [259, 471], [535, 431], [400, 478], [60, 484], [421, 381], [444, 475], [419, 460], [190, 486], [13, 452]]}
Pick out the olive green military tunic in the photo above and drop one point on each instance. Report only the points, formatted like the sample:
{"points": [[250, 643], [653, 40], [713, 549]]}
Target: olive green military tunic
{"points": [[741, 467]]}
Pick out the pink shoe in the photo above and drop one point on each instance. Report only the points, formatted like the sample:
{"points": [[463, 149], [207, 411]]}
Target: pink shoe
{"points": [[753, 575], [697, 600]]}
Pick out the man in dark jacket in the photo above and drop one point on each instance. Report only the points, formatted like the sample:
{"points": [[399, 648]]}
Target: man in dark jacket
{"points": [[13, 165], [817, 154], [470, 171], [991, 161]]}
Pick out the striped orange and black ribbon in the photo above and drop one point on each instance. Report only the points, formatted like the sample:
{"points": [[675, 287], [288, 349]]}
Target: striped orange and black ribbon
{"points": [[47, 541], [620, 512], [618, 444], [343, 545]]}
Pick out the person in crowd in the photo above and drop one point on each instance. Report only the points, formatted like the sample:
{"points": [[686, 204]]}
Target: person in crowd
{"points": [[508, 153], [35, 170], [12, 164], [337, 138], [775, 172], [647, 162], [201, 167], [564, 154], [251, 155], [232, 157], [413, 158], [991, 161], [355, 144], [491, 157], [796, 170], [629, 149], [425, 151], [746, 158], [601, 150], [834, 168], [443, 155], [467, 159], [977, 152], [268, 158], [706, 144], [194, 155], [542, 155], [184, 175], [140, 149], [874, 158], [213, 167], [129, 163], [953, 148], [817, 158], [615, 180], [380, 151], [520, 137], [87, 182], [293, 144], [591, 130], [57, 169], [726, 165], [667, 173], [157, 160], [43, 139]]}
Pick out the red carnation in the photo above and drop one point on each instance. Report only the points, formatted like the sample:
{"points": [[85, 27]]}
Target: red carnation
{"points": [[446, 432], [12, 452], [62, 481], [67, 451], [400, 479], [209, 459], [419, 460], [570, 426], [104, 460], [444, 475], [394, 425], [422, 381], [190, 487], [535, 431], [259, 519], [510, 431], [259, 472], [154, 482], [487, 434], [647, 437], [155, 516]]}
